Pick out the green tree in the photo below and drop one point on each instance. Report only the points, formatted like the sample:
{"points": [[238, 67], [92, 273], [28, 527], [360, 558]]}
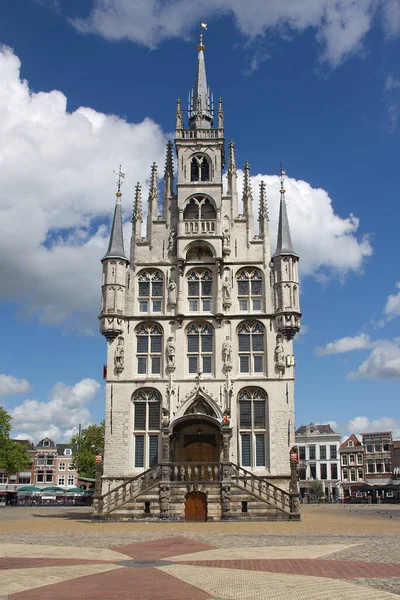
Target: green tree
{"points": [[86, 446], [316, 489], [13, 455]]}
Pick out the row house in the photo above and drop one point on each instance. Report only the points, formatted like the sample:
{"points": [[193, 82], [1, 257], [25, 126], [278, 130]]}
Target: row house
{"points": [[51, 465], [319, 458], [378, 464], [352, 463]]}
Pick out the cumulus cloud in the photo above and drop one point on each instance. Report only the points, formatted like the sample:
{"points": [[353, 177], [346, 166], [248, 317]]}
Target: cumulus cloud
{"points": [[11, 385], [57, 190], [327, 243], [382, 363], [66, 186], [340, 26], [346, 344], [65, 410], [392, 308], [361, 424]]}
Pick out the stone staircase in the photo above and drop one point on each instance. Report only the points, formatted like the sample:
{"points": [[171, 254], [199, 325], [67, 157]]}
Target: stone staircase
{"points": [[233, 493]]}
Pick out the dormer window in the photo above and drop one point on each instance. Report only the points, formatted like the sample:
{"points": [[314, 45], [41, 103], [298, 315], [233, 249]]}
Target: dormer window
{"points": [[199, 169], [350, 443], [46, 443], [67, 451]]}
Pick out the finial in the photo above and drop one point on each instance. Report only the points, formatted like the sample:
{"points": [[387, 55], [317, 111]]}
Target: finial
{"points": [[119, 182], [282, 174], [137, 210], [169, 160], [220, 114], [232, 160], [263, 201], [201, 46], [247, 183], [153, 190]]}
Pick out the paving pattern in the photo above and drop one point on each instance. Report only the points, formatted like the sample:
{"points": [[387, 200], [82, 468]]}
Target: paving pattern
{"points": [[204, 562]]}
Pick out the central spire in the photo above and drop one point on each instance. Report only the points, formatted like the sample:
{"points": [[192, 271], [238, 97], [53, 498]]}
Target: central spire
{"points": [[200, 103]]}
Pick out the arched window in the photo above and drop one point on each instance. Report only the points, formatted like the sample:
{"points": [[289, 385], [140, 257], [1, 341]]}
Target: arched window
{"points": [[199, 169], [253, 426], [251, 347], [146, 427], [200, 347], [249, 282], [149, 349], [200, 215], [150, 291], [200, 290]]}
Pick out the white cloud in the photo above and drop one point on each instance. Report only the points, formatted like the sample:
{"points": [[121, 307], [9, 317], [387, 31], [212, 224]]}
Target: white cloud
{"points": [[66, 186], [12, 385], [361, 424], [326, 243], [382, 363], [340, 26], [392, 308], [391, 17], [56, 182], [346, 344], [65, 410]]}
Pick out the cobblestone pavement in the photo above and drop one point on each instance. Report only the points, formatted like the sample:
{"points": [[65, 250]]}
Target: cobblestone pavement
{"points": [[334, 553]]}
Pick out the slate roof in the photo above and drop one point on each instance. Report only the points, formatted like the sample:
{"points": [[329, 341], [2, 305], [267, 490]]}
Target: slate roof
{"points": [[284, 245], [321, 428], [116, 245]]}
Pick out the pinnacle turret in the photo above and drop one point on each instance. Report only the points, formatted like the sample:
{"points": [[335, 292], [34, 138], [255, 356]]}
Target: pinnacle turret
{"points": [[200, 102], [284, 244], [137, 207], [116, 243]]}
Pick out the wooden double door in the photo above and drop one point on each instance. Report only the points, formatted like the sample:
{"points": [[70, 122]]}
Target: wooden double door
{"points": [[200, 452], [196, 507]]}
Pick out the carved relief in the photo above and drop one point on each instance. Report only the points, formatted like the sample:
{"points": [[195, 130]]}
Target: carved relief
{"points": [[164, 499], [226, 498], [227, 352], [226, 242], [279, 354], [119, 355], [171, 293], [170, 353]]}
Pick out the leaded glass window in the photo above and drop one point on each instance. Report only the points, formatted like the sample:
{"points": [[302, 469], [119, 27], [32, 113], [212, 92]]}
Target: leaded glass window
{"points": [[149, 349], [251, 347], [253, 427], [200, 337], [146, 426], [200, 290], [150, 293], [250, 289]]}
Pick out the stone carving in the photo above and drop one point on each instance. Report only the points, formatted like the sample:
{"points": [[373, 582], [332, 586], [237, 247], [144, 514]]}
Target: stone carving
{"points": [[165, 417], [226, 498], [171, 241], [119, 355], [226, 242], [227, 352], [279, 353], [172, 292], [165, 447], [164, 499], [171, 352], [226, 446], [226, 292]]}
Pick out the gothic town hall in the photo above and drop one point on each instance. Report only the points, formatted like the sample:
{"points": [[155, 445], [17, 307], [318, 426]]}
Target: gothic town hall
{"points": [[199, 320]]}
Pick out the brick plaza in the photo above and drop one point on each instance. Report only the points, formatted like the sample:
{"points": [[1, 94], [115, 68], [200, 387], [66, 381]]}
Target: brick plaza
{"points": [[335, 552]]}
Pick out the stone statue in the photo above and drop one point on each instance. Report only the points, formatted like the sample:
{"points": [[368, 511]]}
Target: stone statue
{"points": [[119, 355], [171, 352], [171, 240], [227, 239], [227, 351], [226, 290], [279, 353], [172, 292]]}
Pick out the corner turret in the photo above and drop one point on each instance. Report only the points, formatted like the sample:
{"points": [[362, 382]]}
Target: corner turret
{"points": [[285, 271], [115, 264]]}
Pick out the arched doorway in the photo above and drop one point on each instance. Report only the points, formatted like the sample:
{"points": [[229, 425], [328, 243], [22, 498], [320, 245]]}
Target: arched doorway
{"points": [[196, 507]]}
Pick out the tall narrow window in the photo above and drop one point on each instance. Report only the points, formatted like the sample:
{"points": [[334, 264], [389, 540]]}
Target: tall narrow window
{"points": [[150, 291], [251, 347], [146, 426], [199, 169], [148, 349], [253, 425], [200, 290], [249, 284], [200, 348]]}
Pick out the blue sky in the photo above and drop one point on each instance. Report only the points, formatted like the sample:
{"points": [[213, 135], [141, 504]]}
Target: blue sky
{"points": [[87, 85]]}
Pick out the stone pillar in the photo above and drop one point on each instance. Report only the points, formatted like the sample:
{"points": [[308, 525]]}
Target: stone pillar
{"points": [[294, 485], [226, 468], [164, 490], [98, 496]]}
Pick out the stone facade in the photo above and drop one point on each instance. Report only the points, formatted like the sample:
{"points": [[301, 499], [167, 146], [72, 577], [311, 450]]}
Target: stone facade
{"points": [[200, 319]]}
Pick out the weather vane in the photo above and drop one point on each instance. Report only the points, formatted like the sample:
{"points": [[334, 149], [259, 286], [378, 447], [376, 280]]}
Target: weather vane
{"points": [[121, 176], [282, 174]]}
